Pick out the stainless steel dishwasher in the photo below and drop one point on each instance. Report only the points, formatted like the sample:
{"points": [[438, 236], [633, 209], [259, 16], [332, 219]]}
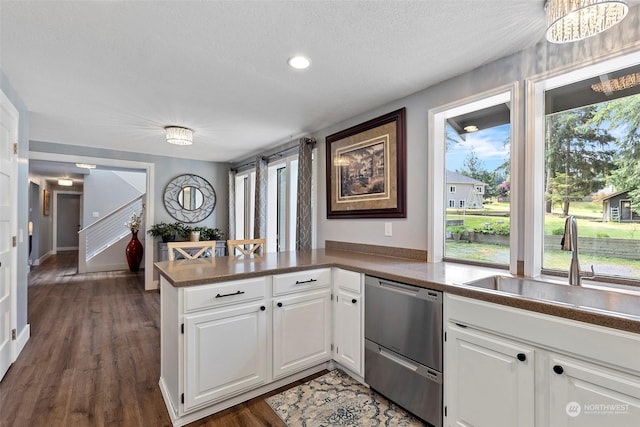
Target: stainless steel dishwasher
{"points": [[403, 346]]}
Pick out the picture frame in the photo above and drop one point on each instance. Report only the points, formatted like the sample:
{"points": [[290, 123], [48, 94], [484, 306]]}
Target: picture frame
{"points": [[46, 203], [366, 169]]}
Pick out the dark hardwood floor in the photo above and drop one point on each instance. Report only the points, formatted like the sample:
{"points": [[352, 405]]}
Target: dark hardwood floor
{"points": [[93, 358]]}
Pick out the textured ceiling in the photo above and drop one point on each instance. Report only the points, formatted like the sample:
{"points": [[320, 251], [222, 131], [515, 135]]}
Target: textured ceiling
{"points": [[112, 74]]}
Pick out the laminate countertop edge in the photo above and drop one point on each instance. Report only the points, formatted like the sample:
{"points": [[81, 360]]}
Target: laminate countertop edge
{"points": [[445, 277]]}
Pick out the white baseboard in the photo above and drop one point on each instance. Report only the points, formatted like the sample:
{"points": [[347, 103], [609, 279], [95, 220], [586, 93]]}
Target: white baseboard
{"points": [[21, 341], [43, 257]]}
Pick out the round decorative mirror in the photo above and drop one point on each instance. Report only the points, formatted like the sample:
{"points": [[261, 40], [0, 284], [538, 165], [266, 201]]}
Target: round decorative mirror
{"points": [[189, 198]]}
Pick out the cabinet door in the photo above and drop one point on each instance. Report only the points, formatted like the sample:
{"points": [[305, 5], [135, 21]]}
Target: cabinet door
{"points": [[225, 353], [301, 332], [583, 394], [348, 331], [489, 380]]}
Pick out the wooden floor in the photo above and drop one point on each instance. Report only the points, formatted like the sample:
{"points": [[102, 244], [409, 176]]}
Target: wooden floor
{"points": [[93, 358]]}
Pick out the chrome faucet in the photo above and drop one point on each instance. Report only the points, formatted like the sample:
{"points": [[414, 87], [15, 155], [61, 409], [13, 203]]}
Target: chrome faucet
{"points": [[569, 242]]}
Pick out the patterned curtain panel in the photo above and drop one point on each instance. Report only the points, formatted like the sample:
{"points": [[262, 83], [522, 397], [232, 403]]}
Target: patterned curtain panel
{"points": [[260, 210], [232, 205], [303, 212]]}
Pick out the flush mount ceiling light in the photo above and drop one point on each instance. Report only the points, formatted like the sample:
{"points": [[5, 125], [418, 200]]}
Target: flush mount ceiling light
{"points": [[179, 135], [572, 20], [471, 128], [299, 62], [85, 166], [65, 182], [620, 83]]}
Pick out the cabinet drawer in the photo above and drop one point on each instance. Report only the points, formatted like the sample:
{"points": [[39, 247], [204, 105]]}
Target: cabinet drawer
{"points": [[301, 281], [347, 280], [206, 296]]}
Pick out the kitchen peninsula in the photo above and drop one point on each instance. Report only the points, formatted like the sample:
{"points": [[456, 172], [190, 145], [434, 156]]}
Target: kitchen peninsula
{"points": [[233, 328]]}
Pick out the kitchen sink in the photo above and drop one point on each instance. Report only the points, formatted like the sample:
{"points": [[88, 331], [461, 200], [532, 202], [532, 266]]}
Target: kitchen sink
{"points": [[592, 298]]}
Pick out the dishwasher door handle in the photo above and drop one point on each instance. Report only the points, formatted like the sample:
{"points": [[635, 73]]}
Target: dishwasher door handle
{"points": [[396, 359]]}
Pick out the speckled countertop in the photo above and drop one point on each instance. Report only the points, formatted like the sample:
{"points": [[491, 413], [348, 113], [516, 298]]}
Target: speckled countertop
{"points": [[445, 277]]}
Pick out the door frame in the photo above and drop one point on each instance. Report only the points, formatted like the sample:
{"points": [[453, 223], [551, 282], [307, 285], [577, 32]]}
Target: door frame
{"points": [[149, 168], [15, 345]]}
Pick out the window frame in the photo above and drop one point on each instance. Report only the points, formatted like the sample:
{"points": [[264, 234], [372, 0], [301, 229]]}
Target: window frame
{"points": [[536, 86], [436, 198]]}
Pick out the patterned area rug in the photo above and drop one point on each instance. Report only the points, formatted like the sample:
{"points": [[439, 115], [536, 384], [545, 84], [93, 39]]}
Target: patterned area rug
{"points": [[336, 399]]}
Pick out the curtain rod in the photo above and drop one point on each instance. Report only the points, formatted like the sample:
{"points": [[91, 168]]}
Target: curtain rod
{"points": [[279, 153]]}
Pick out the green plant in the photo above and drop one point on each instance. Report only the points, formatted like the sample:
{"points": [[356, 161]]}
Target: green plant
{"points": [[163, 230], [602, 235], [558, 231], [207, 233], [457, 229]]}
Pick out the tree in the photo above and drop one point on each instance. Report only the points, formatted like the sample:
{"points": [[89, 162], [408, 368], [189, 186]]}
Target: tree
{"points": [[623, 115], [474, 168], [578, 153]]}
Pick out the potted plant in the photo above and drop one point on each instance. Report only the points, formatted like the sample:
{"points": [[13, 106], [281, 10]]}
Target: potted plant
{"points": [[456, 231], [207, 233], [165, 231]]}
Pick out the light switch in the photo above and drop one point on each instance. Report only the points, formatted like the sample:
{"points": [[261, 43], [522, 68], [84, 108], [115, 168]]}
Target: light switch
{"points": [[96, 214], [387, 229]]}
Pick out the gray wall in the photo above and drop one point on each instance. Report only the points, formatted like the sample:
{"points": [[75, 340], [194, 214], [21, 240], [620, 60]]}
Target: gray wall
{"points": [[166, 168], [23, 200], [106, 191], [412, 232], [34, 217]]}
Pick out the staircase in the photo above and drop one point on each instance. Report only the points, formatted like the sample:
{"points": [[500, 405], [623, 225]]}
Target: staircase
{"points": [[102, 235]]}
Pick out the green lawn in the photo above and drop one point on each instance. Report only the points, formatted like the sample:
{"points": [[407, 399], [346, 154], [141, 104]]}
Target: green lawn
{"points": [[588, 215]]}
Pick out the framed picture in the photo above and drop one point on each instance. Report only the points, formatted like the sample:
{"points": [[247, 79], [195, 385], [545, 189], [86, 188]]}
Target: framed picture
{"points": [[366, 169], [46, 203]]}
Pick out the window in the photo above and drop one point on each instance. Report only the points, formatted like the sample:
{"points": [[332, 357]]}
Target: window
{"points": [[245, 202], [282, 200], [590, 170], [471, 156]]}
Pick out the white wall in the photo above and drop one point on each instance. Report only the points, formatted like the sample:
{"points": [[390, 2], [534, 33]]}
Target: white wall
{"points": [[412, 232]]}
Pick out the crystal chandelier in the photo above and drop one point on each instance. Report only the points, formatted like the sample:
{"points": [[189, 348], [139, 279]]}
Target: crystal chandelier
{"points": [[572, 20], [179, 135], [620, 83]]}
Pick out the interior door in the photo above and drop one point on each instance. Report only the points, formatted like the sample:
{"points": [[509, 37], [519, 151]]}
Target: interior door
{"points": [[8, 220]]}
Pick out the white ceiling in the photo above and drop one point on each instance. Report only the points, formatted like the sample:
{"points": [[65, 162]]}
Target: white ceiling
{"points": [[112, 74]]}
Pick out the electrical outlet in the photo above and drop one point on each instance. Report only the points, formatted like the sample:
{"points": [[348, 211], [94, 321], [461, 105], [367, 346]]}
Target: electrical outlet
{"points": [[388, 231]]}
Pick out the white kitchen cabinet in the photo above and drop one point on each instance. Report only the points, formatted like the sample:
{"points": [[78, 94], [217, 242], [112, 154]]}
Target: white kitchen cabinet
{"points": [[301, 331], [578, 374], [348, 330], [588, 395], [490, 380], [225, 353]]}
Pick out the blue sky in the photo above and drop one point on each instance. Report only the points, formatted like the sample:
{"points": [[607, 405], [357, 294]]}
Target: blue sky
{"points": [[488, 145]]}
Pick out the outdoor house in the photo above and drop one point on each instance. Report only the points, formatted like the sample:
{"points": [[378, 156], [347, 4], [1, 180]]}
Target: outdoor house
{"points": [[464, 192], [616, 207]]}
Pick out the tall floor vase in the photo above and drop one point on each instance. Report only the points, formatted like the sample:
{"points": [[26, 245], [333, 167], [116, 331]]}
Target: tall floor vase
{"points": [[134, 252]]}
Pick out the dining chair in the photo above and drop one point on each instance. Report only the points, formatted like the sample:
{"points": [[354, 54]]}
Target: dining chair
{"points": [[191, 250], [247, 246]]}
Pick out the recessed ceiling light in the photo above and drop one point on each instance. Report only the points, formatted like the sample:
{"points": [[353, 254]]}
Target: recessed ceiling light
{"points": [[65, 182], [85, 166], [299, 62], [471, 128]]}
